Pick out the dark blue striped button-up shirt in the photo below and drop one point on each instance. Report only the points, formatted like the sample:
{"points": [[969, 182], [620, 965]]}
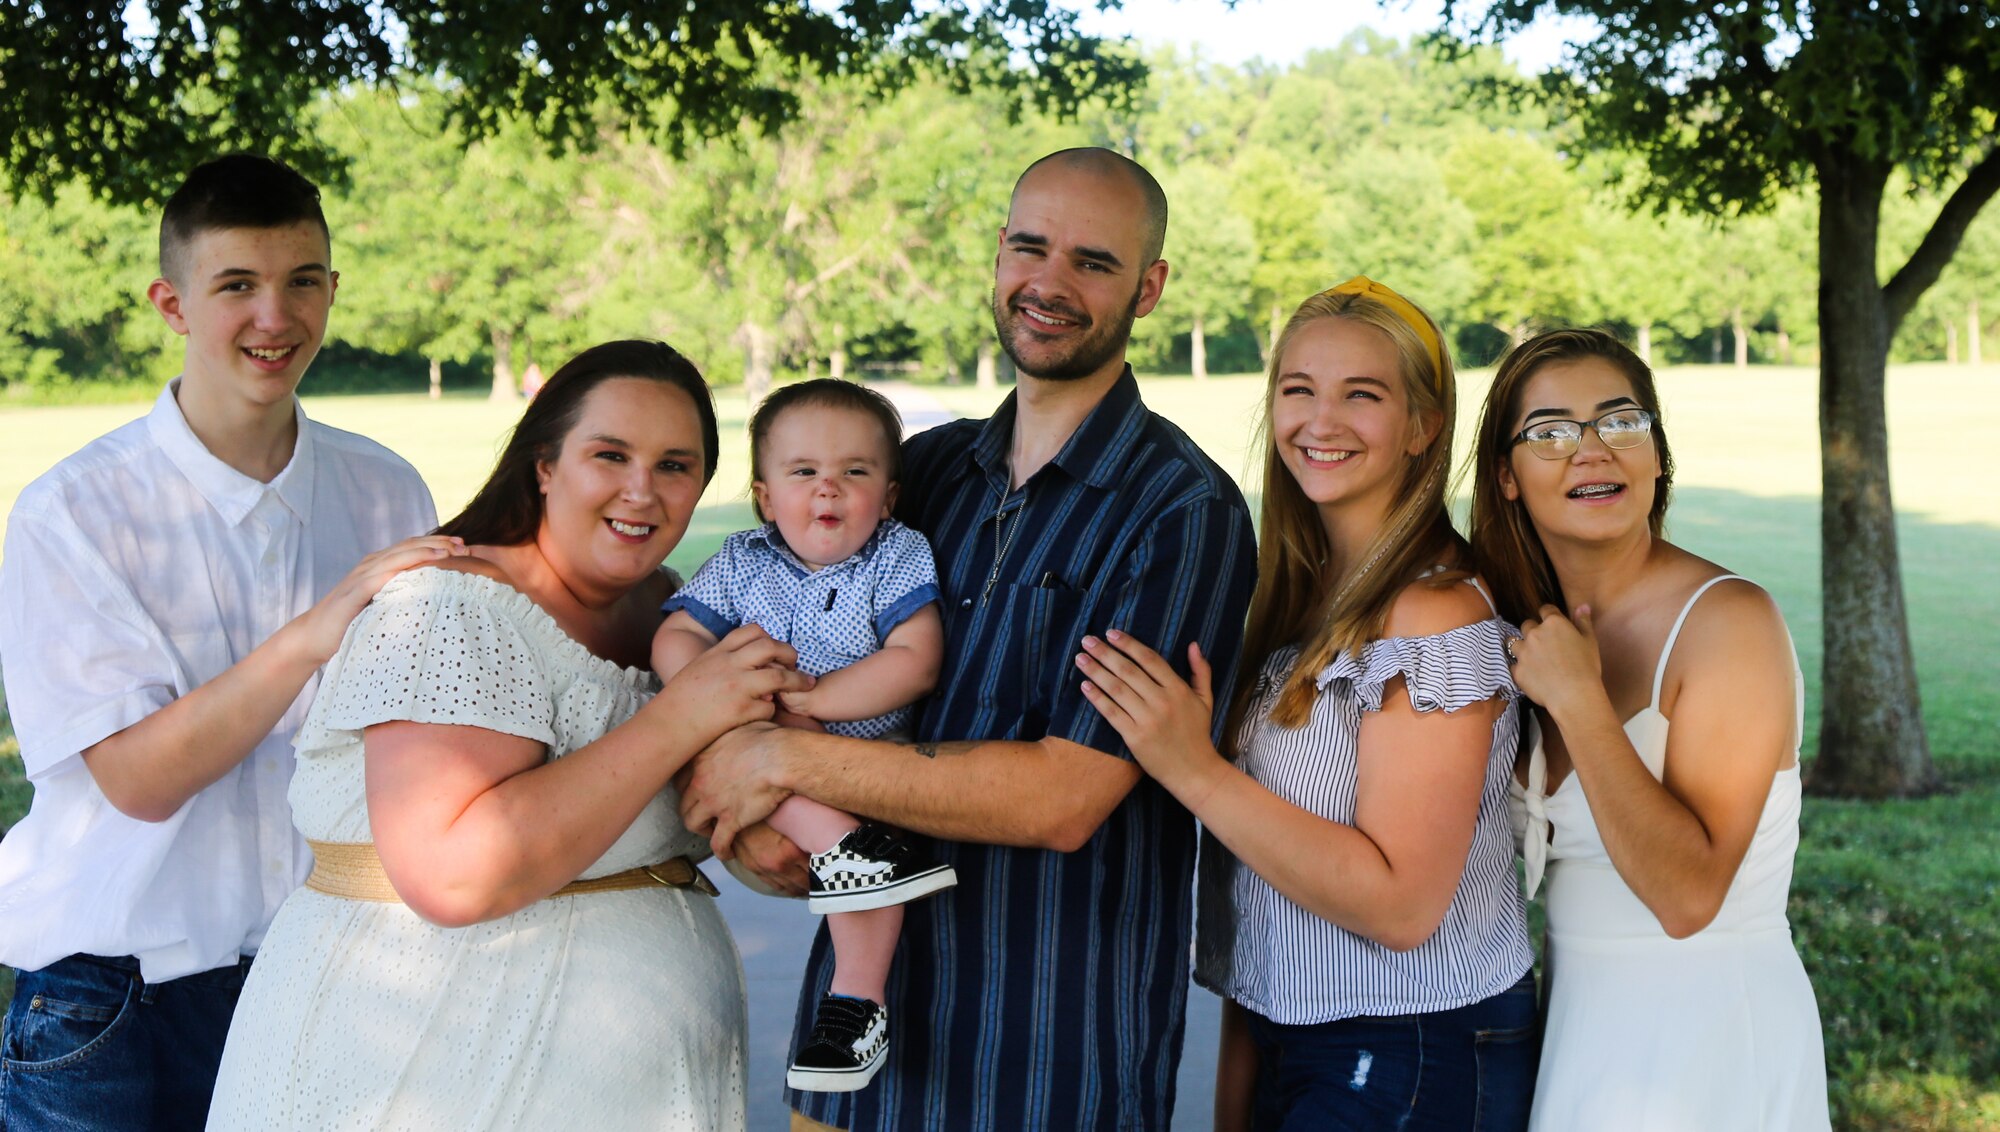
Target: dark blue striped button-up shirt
{"points": [[1049, 990]]}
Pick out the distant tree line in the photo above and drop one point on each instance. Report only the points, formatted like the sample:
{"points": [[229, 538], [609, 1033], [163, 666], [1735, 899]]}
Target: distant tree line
{"points": [[855, 234]]}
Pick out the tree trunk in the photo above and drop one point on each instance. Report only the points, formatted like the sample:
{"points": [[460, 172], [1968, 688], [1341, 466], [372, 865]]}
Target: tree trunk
{"points": [[504, 388], [1742, 333], [836, 363], [954, 374], [1784, 345], [1872, 741], [760, 350], [1951, 341], [986, 369], [437, 379], [1972, 332], [1715, 346], [1277, 325], [1198, 349], [1646, 342]]}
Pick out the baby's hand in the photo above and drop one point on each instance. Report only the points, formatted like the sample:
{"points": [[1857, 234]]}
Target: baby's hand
{"points": [[795, 709], [785, 717]]}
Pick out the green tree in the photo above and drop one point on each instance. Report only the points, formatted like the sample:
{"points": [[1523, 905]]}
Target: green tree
{"points": [[1284, 211], [1731, 107], [1644, 271], [1211, 250], [73, 272], [392, 229], [944, 180], [126, 97], [1528, 227]]}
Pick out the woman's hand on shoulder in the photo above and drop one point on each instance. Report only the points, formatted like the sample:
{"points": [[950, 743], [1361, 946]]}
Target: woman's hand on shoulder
{"points": [[733, 683], [1556, 658], [1163, 719]]}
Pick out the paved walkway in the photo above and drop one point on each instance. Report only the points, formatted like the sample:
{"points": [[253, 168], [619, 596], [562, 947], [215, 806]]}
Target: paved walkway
{"points": [[920, 407]]}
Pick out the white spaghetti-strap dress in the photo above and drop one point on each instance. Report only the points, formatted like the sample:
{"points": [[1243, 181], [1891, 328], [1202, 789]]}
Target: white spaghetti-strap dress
{"points": [[1645, 1033], [606, 1011]]}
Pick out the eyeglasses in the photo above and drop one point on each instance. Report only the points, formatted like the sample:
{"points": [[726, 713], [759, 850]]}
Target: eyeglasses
{"points": [[1558, 440]]}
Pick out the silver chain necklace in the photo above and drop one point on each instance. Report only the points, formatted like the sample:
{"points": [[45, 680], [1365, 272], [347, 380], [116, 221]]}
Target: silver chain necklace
{"points": [[1000, 546]]}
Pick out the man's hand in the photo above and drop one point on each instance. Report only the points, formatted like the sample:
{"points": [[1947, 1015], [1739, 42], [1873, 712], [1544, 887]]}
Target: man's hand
{"points": [[319, 630], [732, 785], [774, 859]]}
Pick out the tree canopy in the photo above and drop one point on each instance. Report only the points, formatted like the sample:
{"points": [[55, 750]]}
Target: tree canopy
{"points": [[1730, 108], [127, 96], [861, 233]]}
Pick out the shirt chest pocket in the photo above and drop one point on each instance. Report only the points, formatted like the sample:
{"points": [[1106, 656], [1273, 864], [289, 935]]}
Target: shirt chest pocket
{"points": [[1039, 632]]}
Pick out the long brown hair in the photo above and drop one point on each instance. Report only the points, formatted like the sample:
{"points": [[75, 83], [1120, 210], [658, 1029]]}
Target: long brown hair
{"points": [[1299, 598], [507, 511], [1506, 548]]}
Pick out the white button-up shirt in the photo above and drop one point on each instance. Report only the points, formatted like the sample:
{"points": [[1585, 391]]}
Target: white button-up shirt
{"points": [[135, 570]]}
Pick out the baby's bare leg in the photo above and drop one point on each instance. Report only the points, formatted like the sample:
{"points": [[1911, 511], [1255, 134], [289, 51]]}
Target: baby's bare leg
{"points": [[863, 942], [812, 826]]}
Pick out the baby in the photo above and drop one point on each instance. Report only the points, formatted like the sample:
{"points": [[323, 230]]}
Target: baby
{"points": [[855, 592]]}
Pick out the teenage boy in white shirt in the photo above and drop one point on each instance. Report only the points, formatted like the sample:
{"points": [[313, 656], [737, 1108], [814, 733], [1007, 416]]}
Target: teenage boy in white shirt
{"points": [[167, 596]]}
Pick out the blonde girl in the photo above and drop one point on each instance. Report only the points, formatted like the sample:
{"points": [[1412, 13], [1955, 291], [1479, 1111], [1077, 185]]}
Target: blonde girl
{"points": [[1358, 908]]}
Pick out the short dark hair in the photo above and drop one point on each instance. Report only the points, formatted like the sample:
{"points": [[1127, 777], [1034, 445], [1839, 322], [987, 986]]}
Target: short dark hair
{"points": [[831, 393], [242, 190], [1097, 159], [507, 511]]}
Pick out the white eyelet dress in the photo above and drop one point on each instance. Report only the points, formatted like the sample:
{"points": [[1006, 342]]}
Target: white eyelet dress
{"points": [[1718, 1032], [602, 1011]]}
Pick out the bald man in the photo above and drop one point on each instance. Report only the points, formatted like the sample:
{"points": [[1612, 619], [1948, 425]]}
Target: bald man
{"points": [[1048, 990]]}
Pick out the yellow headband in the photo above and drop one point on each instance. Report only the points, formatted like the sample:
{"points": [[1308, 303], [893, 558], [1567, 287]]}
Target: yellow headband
{"points": [[1403, 308]]}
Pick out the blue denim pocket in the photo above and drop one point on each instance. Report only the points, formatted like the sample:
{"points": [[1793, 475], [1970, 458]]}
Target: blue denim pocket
{"points": [[60, 1020]]}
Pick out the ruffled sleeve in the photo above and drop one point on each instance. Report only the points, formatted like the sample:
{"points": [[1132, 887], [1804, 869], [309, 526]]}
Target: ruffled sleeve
{"points": [[1444, 671], [439, 646]]}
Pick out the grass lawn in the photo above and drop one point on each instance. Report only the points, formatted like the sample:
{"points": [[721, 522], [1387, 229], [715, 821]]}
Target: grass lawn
{"points": [[1896, 906]]}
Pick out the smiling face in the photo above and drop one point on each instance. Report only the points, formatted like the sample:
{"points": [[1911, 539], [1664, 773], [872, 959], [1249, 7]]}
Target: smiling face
{"points": [[824, 481], [1597, 492], [252, 304], [1341, 421], [1068, 281], [618, 495]]}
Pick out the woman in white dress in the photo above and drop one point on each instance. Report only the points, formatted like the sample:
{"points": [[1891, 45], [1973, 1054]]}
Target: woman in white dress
{"points": [[1659, 787], [487, 736]]}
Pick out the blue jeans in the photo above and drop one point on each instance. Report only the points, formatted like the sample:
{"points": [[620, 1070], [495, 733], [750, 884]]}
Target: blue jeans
{"points": [[1472, 1068], [89, 1044]]}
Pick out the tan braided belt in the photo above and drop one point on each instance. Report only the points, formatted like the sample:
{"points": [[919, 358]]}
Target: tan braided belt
{"points": [[352, 870]]}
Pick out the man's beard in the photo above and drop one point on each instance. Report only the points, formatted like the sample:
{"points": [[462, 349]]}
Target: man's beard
{"points": [[1083, 357]]}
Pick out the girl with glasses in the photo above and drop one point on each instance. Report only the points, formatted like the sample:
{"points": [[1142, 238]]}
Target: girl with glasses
{"points": [[1357, 902], [1658, 791]]}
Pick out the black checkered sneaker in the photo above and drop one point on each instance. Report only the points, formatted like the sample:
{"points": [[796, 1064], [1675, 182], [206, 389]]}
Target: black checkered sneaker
{"points": [[874, 866], [850, 1037]]}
